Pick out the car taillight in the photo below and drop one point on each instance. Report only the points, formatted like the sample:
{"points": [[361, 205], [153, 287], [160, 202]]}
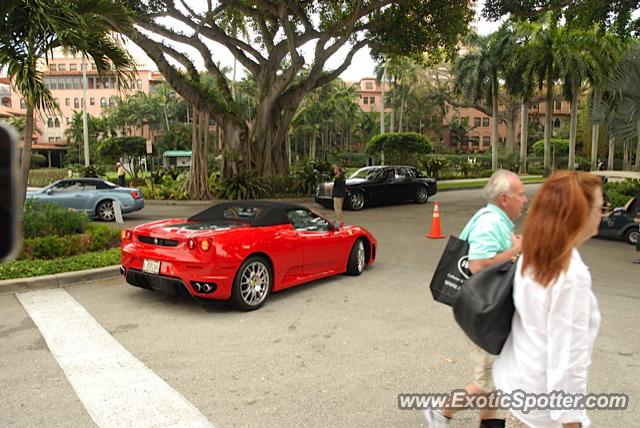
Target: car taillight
{"points": [[191, 244], [135, 195], [205, 245], [125, 234]]}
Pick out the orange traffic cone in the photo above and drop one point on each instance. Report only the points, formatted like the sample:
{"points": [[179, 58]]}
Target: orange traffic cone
{"points": [[435, 224]]}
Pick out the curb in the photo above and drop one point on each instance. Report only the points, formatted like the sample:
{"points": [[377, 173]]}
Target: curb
{"points": [[58, 280]]}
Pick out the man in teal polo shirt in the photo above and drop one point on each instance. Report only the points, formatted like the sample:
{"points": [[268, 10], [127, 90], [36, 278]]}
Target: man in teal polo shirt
{"points": [[491, 241]]}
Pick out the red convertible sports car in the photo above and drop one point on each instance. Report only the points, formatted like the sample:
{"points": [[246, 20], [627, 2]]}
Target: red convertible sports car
{"points": [[242, 251]]}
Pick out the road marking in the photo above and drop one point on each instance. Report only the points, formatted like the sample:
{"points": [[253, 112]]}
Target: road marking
{"points": [[115, 387]]}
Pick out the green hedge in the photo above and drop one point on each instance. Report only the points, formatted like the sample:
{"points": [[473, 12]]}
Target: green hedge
{"points": [[44, 177], [46, 219], [400, 147], [29, 268], [620, 192], [97, 237]]}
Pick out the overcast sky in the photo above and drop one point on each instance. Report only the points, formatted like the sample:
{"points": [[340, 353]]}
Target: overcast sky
{"points": [[361, 66]]}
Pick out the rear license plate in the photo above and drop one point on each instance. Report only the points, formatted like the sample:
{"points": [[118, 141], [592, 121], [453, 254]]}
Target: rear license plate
{"points": [[151, 266]]}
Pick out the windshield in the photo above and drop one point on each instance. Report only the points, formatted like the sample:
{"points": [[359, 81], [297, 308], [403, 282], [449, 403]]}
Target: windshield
{"points": [[367, 173]]}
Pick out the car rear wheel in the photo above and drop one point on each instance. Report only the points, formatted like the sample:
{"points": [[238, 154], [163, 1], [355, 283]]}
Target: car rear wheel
{"points": [[631, 236], [105, 211], [356, 201], [357, 258], [252, 284], [422, 194]]}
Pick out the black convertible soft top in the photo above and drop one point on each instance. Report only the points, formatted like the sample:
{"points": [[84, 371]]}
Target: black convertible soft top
{"points": [[255, 213]]}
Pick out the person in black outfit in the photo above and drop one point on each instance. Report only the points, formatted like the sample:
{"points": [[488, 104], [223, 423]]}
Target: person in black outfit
{"points": [[338, 193]]}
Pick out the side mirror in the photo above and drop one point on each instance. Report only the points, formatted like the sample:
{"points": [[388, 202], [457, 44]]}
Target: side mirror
{"points": [[49, 191], [10, 213]]}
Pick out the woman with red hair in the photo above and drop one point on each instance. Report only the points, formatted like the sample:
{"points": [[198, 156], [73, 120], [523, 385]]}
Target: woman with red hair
{"points": [[557, 318]]}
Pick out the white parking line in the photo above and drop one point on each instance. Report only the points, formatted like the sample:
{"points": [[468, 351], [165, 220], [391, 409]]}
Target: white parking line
{"points": [[114, 386]]}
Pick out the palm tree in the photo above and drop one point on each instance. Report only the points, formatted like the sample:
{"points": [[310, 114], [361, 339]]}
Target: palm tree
{"points": [[37, 27], [477, 74], [621, 106], [581, 57]]}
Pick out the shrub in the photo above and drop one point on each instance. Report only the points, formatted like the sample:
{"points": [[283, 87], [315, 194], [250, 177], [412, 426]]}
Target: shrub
{"points": [[97, 237], [308, 174], [38, 160], [619, 193], [44, 219], [165, 185], [245, 186], [282, 185], [561, 147], [44, 177], [29, 268], [400, 147], [433, 165]]}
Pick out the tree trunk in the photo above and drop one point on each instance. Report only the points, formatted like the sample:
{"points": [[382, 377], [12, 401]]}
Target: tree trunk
{"points": [[25, 163], [573, 128], [625, 156], [524, 137], [510, 146], [312, 148], [391, 119], [267, 139], [612, 149], [595, 130], [494, 124], [548, 126], [400, 128], [197, 185]]}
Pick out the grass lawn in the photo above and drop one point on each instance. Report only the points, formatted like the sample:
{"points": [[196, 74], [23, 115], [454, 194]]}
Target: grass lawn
{"points": [[480, 183]]}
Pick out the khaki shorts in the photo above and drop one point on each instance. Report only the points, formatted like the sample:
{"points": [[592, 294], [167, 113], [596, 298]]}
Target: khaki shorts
{"points": [[482, 367]]}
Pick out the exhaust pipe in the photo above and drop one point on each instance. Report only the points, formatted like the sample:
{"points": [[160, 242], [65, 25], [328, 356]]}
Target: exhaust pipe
{"points": [[206, 288], [198, 287], [123, 270]]}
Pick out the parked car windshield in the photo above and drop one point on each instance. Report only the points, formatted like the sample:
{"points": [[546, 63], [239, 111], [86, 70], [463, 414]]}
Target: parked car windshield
{"points": [[367, 173]]}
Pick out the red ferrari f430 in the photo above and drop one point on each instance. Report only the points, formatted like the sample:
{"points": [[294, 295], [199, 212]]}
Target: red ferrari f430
{"points": [[242, 251]]}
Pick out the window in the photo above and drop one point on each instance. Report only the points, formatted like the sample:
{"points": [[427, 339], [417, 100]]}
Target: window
{"points": [[308, 221], [76, 103], [73, 67], [58, 138], [475, 141], [61, 67], [476, 122], [112, 101], [67, 186], [139, 84], [556, 123], [366, 100], [52, 67], [486, 141], [83, 66], [103, 102], [485, 121], [51, 139], [67, 102], [93, 66], [67, 120], [77, 83], [68, 83], [92, 101], [22, 103], [558, 105], [368, 85], [372, 100], [49, 122]]}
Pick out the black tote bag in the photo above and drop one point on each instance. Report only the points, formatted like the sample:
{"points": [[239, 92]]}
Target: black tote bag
{"points": [[451, 272], [484, 307]]}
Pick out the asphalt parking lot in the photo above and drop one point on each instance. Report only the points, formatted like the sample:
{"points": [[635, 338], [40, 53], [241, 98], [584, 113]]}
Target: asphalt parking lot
{"points": [[335, 353]]}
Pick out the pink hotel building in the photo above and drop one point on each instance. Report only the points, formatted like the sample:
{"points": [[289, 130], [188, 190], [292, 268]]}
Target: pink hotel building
{"points": [[63, 76]]}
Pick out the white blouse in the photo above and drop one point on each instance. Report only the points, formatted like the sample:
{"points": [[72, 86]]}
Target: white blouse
{"points": [[552, 336]]}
